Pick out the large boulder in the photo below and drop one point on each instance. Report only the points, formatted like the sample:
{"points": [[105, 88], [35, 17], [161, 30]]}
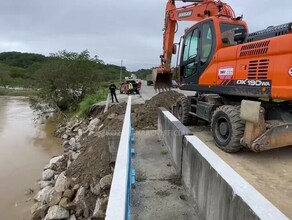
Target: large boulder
{"points": [[62, 182], [54, 197], [65, 136], [42, 195], [106, 181], [54, 160], [96, 212], [72, 142], [80, 194], [93, 123], [39, 211], [100, 208], [64, 202], [43, 184], [68, 193], [48, 174], [80, 132], [95, 189], [57, 212]]}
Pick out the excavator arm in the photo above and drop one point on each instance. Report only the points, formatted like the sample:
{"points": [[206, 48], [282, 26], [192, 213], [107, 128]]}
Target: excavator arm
{"points": [[199, 10]]}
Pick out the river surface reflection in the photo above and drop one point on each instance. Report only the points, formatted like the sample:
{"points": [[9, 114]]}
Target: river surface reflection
{"points": [[26, 145]]}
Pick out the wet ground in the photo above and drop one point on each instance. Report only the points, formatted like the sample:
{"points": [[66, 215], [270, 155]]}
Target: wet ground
{"points": [[26, 145]]}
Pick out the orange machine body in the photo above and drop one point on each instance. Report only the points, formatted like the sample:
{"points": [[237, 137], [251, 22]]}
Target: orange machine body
{"points": [[261, 68], [265, 64], [242, 81]]}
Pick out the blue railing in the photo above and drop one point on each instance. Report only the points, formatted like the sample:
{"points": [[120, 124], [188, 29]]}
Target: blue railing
{"points": [[119, 204]]}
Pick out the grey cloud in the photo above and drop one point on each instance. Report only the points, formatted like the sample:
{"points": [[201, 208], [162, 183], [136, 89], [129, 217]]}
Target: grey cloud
{"points": [[130, 30]]}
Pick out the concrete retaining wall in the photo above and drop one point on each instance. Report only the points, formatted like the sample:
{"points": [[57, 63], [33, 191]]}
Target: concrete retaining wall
{"points": [[217, 190], [172, 131]]}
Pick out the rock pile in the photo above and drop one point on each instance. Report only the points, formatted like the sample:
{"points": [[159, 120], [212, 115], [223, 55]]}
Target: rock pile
{"points": [[76, 184]]}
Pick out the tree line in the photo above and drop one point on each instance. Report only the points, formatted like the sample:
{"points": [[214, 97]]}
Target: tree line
{"points": [[63, 78]]}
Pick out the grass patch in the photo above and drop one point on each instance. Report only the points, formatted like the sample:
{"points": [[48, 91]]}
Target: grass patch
{"points": [[17, 92], [140, 175], [88, 101]]}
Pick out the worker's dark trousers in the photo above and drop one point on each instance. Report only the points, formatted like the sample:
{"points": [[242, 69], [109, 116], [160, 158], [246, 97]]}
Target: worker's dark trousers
{"points": [[113, 94]]}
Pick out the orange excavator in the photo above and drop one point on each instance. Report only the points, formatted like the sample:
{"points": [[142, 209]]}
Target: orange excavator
{"points": [[242, 81]]}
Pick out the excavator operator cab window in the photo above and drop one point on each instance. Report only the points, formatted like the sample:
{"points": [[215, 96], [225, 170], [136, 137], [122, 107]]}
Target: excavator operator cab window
{"points": [[207, 40], [190, 52], [228, 32], [191, 45]]}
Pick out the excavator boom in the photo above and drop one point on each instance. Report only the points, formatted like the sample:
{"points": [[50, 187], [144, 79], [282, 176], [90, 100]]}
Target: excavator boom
{"points": [[199, 10]]}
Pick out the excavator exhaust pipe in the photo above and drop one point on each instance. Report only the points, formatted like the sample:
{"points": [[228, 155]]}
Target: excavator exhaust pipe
{"points": [[162, 81]]}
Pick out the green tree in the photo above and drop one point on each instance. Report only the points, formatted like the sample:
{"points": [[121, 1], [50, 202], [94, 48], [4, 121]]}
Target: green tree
{"points": [[68, 77]]}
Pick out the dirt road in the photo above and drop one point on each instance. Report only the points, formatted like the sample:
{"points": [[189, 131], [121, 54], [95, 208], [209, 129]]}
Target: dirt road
{"points": [[269, 172]]}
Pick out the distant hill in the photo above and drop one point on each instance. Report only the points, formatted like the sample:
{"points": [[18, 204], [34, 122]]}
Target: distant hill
{"points": [[142, 73], [20, 69], [23, 60]]}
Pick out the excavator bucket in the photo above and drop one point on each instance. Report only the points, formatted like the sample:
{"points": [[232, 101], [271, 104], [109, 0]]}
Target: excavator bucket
{"points": [[162, 81]]}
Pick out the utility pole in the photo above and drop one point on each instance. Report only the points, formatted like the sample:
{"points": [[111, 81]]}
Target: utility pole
{"points": [[121, 72]]}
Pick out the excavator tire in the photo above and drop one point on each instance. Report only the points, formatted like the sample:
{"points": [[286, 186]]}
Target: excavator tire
{"points": [[227, 128], [183, 108]]}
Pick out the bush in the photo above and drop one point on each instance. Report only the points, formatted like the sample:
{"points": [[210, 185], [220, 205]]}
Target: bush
{"points": [[89, 100]]}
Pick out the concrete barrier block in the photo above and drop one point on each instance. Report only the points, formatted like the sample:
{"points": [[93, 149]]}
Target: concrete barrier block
{"points": [[218, 191], [172, 131]]}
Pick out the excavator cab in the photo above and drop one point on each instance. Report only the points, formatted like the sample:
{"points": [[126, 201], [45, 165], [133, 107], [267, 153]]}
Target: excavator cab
{"points": [[199, 45], [200, 42], [197, 51]]}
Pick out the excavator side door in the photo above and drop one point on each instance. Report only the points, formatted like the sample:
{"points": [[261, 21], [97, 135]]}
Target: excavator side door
{"points": [[197, 52]]}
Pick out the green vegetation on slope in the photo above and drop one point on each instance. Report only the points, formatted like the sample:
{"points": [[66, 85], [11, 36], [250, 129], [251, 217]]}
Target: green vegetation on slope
{"points": [[89, 100], [64, 79]]}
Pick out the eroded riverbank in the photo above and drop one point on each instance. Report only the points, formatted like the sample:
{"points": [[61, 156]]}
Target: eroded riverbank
{"points": [[26, 146]]}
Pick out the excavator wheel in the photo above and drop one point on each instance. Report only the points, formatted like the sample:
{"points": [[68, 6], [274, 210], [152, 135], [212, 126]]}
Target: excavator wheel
{"points": [[227, 128], [183, 108]]}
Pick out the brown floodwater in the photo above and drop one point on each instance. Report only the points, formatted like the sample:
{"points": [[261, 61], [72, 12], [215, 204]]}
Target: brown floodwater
{"points": [[26, 145]]}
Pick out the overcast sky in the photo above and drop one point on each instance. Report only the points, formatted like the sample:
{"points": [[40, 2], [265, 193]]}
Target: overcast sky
{"points": [[112, 29]]}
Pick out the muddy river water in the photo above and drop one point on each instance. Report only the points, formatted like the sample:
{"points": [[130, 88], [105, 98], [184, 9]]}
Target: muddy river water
{"points": [[26, 145]]}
